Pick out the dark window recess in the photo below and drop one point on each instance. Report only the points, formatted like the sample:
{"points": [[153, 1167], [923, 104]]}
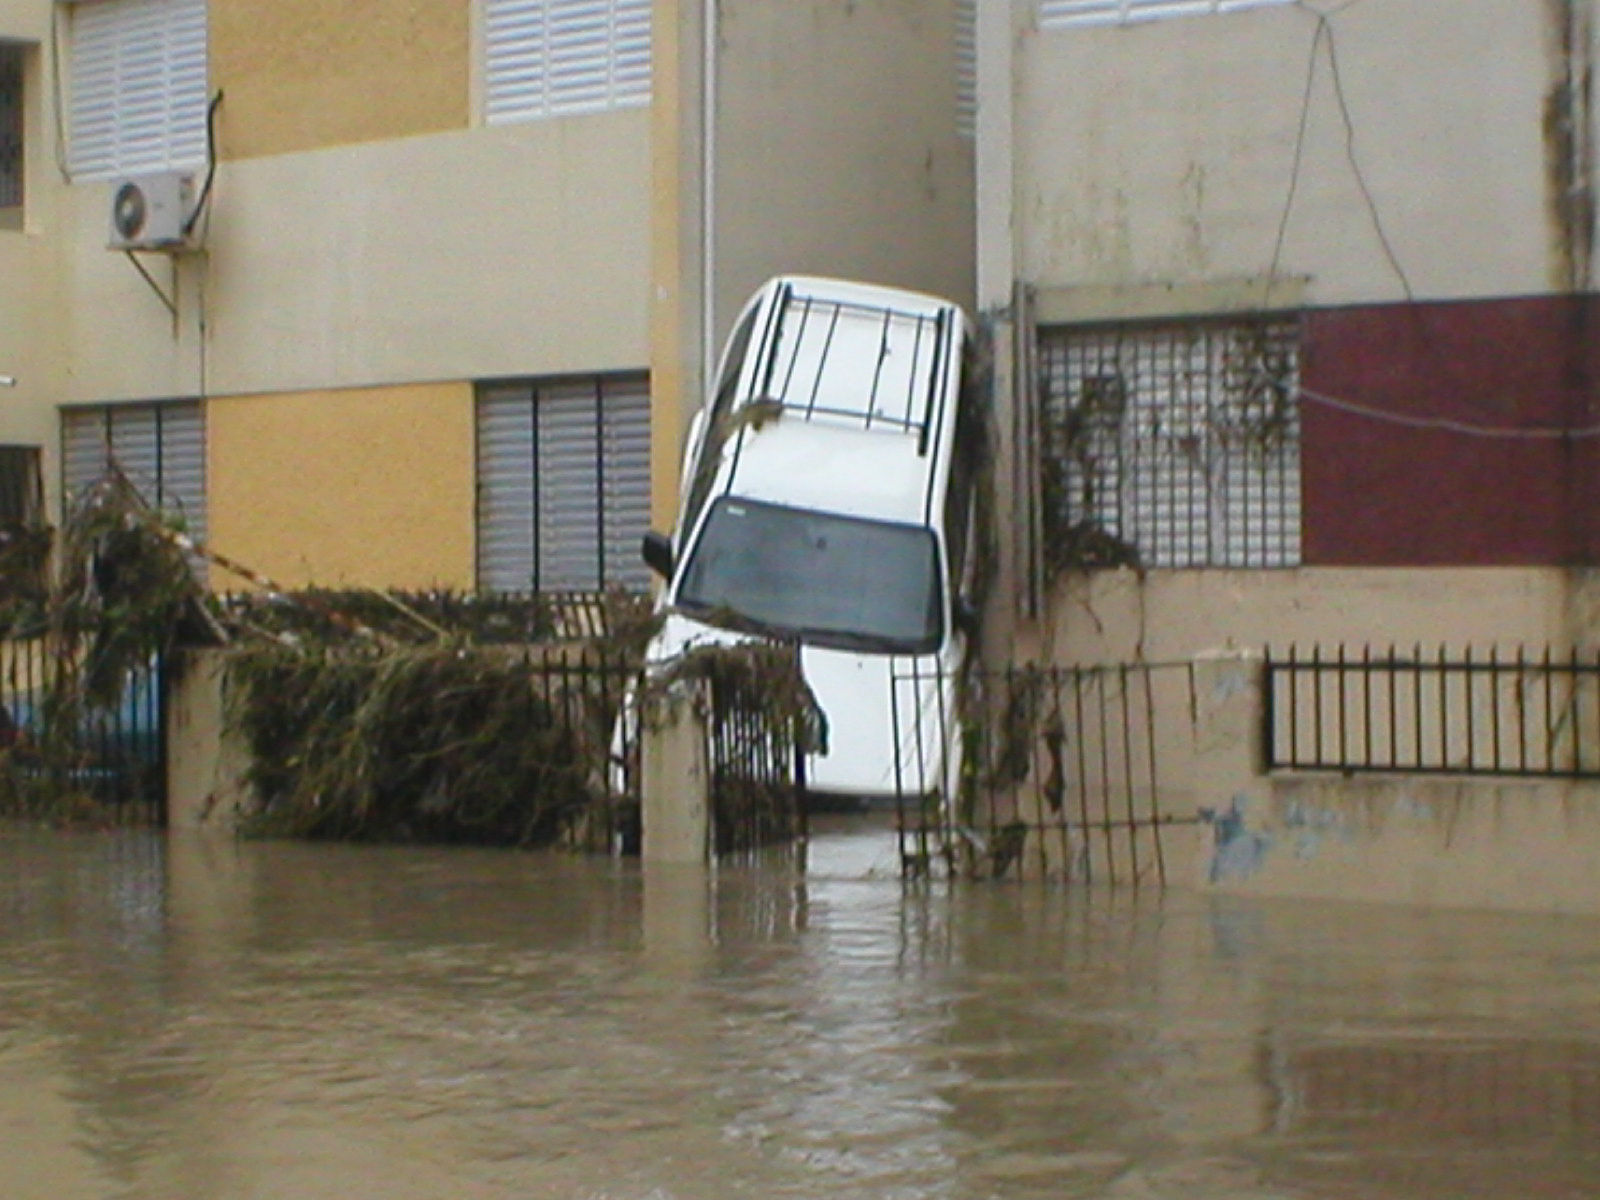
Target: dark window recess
{"points": [[10, 126], [21, 497], [1173, 444]]}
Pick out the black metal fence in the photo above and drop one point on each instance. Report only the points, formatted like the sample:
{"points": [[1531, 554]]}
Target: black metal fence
{"points": [[751, 750], [1494, 712], [586, 692], [756, 769], [1061, 772], [112, 755]]}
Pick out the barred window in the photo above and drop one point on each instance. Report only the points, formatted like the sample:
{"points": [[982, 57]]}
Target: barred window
{"points": [[10, 127], [1172, 445], [1067, 14]]}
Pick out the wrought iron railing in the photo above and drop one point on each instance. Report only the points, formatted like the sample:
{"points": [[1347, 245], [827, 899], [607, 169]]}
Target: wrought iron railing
{"points": [[1060, 774], [1485, 712], [756, 767], [54, 743]]}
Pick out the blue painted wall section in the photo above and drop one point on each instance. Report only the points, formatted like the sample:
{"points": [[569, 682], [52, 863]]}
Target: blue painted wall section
{"points": [[1239, 851]]}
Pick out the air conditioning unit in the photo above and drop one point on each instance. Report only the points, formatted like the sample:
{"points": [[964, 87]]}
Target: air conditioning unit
{"points": [[149, 212]]}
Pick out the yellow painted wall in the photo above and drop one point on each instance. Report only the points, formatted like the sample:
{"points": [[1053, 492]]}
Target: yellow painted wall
{"points": [[370, 486], [303, 74]]}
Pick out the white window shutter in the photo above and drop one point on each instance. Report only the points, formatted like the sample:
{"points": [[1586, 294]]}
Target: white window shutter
{"points": [[546, 58], [966, 47], [160, 448], [1068, 14], [138, 87]]}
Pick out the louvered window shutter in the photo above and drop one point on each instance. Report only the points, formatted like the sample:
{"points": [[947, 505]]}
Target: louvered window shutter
{"points": [[138, 87], [161, 448], [547, 58], [966, 66], [1066, 14], [563, 484]]}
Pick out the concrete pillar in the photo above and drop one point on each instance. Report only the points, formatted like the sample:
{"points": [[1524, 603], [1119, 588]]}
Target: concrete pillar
{"points": [[1230, 791], [675, 797], [205, 766]]}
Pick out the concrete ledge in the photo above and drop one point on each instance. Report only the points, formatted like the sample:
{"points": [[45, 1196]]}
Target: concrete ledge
{"points": [[1454, 843]]}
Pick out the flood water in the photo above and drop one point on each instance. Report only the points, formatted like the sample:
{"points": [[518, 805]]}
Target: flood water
{"points": [[186, 1019]]}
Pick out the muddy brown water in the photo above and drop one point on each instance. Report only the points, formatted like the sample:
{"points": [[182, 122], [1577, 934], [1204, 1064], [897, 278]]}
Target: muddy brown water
{"points": [[192, 1020]]}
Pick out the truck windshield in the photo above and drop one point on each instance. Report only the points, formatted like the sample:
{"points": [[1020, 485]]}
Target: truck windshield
{"points": [[820, 577]]}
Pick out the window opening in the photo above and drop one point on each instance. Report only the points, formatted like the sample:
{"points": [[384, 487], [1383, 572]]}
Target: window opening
{"points": [[550, 58], [11, 157], [563, 484], [21, 497], [1069, 14], [138, 87], [1172, 445]]}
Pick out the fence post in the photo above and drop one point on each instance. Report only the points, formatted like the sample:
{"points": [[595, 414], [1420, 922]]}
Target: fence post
{"points": [[206, 765], [1227, 763], [675, 783]]}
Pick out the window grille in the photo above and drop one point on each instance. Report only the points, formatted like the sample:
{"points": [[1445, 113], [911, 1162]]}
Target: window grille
{"points": [[138, 87], [10, 126], [1172, 445], [1068, 14], [563, 484], [550, 58]]}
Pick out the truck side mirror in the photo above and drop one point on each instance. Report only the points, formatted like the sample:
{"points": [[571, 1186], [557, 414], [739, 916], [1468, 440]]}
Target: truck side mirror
{"points": [[657, 551]]}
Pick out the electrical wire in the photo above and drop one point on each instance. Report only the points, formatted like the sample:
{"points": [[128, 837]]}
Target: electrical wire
{"points": [[1294, 170], [1325, 33], [1355, 165], [1444, 424]]}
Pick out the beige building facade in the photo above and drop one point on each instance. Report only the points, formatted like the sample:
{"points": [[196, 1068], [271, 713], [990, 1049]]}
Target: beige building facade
{"points": [[1402, 206], [454, 265]]}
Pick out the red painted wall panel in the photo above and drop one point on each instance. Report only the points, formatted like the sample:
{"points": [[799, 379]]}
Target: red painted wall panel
{"points": [[1381, 493]]}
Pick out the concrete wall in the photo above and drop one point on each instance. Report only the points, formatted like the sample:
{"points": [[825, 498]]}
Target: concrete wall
{"points": [[511, 250], [32, 313], [837, 147], [1170, 616], [403, 69], [1434, 841], [206, 786], [1521, 846], [1165, 152]]}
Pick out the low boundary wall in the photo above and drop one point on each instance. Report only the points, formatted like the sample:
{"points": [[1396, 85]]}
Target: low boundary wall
{"points": [[1439, 840]]}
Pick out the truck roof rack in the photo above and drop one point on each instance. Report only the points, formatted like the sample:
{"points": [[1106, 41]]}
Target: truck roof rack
{"points": [[853, 361]]}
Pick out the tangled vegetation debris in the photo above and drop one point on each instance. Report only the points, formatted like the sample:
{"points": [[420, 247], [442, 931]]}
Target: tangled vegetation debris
{"points": [[449, 742], [120, 595], [366, 715]]}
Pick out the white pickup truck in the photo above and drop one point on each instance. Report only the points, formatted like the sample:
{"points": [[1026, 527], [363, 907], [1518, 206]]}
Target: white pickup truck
{"points": [[826, 499]]}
